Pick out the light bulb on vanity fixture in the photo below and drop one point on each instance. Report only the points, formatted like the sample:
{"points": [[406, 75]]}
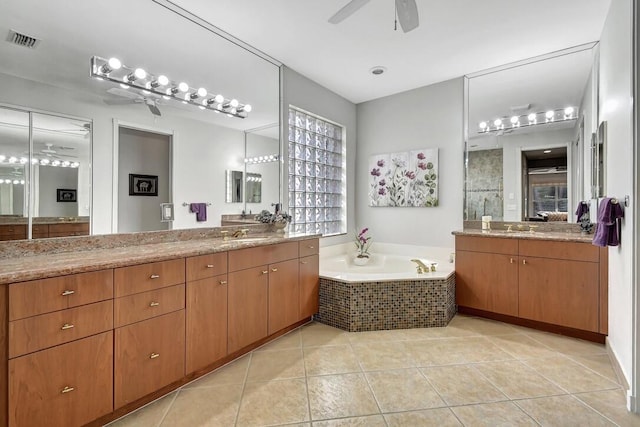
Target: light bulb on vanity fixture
{"points": [[528, 119], [138, 79]]}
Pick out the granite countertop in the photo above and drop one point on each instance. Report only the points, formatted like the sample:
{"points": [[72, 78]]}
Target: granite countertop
{"points": [[523, 234], [24, 268]]}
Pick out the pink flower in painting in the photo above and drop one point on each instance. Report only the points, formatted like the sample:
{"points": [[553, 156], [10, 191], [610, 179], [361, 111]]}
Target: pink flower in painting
{"points": [[381, 163], [410, 174], [421, 156], [382, 191], [422, 165], [375, 172], [382, 183]]}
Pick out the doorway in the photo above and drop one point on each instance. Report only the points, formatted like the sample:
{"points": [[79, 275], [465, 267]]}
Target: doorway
{"points": [[545, 184], [143, 179]]}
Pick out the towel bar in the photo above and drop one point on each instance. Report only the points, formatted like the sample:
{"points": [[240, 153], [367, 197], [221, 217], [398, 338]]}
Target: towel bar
{"points": [[187, 204], [615, 200]]}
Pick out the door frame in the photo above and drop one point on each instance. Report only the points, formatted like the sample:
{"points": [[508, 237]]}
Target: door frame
{"points": [[117, 124]]}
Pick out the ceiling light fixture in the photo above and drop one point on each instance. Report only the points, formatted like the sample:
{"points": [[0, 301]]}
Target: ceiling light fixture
{"points": [[137, 78], [377, 70], [525, 120], [262, 159]]}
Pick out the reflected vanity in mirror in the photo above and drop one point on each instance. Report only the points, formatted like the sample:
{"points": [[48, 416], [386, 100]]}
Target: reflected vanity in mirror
{"points": [[526, 158]]}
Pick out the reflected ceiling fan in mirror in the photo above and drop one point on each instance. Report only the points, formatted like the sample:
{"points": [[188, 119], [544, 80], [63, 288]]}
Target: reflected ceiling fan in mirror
{"points": [[151, 101], [51, 150], [406, 13]]}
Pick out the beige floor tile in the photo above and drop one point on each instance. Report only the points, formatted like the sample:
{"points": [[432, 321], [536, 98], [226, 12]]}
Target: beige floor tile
{"points": [[368, 337], [274, 402], [562, 411], [599, 363], [289, 341], [522, 346], [231, 373], [566, 345], [370, 421], [403, 390], [453, 351], [517, 380], [317, 334], [479, 326], [492, 415], [277, 364], [612, 404], [210, 407], [570, 375], [432, 417], [384, 355], [330, 360], [462, 385], [423, 333], [338, 396], [148, 416]]}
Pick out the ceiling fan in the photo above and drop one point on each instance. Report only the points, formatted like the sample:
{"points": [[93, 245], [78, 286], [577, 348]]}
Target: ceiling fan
{"points": [[406, 11], [78, 129], [151, 101], [50, 150]]}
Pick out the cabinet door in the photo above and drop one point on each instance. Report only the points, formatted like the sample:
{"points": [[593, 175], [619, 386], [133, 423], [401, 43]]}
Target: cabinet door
{"points": [[309, 286], [148, 356], [67, 385], [284, 295], [248, 293], [560, 292], [487, 282], [206, 322]]}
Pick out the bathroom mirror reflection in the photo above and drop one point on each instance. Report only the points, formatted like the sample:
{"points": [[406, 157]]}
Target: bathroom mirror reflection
{"points": [[526, 159], [262, 162], [234, 184], [53, 78], [254, 188]]}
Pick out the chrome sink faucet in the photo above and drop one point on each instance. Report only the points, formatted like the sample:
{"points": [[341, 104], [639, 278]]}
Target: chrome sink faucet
{"points": [[421, 267]]}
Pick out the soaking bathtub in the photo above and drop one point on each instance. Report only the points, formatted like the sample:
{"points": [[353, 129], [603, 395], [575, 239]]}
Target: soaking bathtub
{"points": [[388, 292]]}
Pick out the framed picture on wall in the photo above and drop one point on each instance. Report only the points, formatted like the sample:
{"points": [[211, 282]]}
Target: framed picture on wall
{"points": [[66, 195], [143, 185]]}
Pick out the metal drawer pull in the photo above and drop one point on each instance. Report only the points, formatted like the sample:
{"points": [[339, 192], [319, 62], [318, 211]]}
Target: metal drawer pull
{"points": [[524, 261], [209, 265], [310, 247], [265, 271], [154, 355], [154, 304], [223, 282], [304, 262], [155, 276], [67, 326], [68, 292], [511, 260], [274, 269], [67, 389]]}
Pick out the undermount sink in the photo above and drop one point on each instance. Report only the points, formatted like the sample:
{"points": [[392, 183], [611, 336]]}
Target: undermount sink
{"points": [[246, 239]]}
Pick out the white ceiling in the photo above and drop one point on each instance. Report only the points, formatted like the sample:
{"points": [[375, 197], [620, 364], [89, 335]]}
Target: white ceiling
{"points": [[455, 37]]}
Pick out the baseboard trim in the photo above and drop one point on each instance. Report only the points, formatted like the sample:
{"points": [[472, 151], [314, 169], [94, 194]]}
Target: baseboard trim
{"points": [[616, 366]]}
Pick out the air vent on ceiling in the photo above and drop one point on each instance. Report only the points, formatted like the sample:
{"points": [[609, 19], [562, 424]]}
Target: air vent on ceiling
{"points": [[22, 39]]}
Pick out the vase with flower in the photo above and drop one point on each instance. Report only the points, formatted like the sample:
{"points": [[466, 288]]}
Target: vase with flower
{"points": [[362, 242], [278, 221]]}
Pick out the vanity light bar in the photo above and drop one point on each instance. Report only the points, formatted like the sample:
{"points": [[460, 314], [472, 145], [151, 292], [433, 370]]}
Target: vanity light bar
{"points": [[115, 71], [12, 181], [44, 162], [525, 120], [262, 159]]}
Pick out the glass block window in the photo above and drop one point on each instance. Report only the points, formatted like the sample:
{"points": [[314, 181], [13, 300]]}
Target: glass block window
{"points": [[316, 174]]}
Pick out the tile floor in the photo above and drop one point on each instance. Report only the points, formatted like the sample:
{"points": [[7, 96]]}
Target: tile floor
{"points": [[474, 372]]}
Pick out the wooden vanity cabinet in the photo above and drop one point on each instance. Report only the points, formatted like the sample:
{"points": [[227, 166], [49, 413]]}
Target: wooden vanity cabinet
{"points": [[13, 231], [206, 327], [248, 305], [284, 295], [309, 277], [555, 283]]}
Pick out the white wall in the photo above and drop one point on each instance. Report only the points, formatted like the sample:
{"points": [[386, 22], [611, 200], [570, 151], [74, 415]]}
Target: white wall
{"points": [[616, 108], [50, 179], [303, 93], [201, 151], [427, 117]]}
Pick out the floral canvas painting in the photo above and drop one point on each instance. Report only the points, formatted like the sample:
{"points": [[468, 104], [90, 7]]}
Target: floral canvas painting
{"points": [[404, 179]]}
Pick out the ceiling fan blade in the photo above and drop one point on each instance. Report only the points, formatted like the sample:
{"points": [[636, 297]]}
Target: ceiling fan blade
{"points": [[124, 92], [348, 10], [407, 14], [154, 110], [120, 101]]}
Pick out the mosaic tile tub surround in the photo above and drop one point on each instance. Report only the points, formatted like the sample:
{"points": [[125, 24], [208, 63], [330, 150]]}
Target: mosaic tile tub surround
{"points": [[364, 301]]}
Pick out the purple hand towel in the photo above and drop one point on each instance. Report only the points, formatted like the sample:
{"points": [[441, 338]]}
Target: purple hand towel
{"points": [[583, 208], [200, 209], [609, 224]]}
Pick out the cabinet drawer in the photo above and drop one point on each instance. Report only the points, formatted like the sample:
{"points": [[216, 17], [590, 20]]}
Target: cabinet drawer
{"points": [[68, 385], [40, 229], [242, 259], [308, 247], [147, 277], [574, 251], [487, 244], [203, 266], [46, 295], [134, 308], [69, 228], [152, 353], [13, 230], [47, 330]]}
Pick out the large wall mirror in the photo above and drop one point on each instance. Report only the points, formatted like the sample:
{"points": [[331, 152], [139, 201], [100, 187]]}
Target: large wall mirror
{"points": [[530, 128], [52, 77]]}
